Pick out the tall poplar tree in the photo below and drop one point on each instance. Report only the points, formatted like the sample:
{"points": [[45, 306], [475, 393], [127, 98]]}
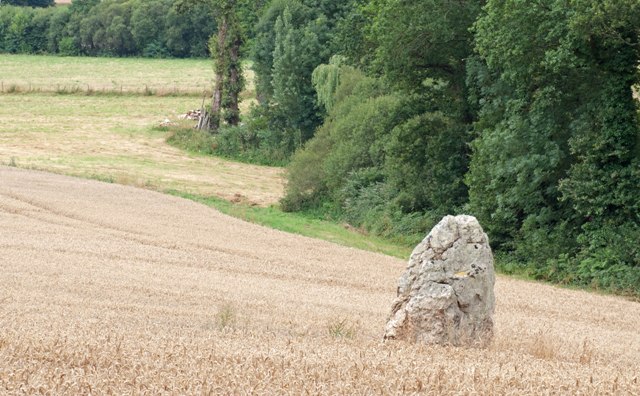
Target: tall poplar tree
{"points": [[225, 49]]}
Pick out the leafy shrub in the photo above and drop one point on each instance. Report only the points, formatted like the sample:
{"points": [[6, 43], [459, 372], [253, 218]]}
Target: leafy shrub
{"points": [[155, 50], [243, 143], [193, 140], [611, 257], [609, 262], [372, 205], [246, 143], [351, 139], [67, 47], [306, 184], [364, 195]]}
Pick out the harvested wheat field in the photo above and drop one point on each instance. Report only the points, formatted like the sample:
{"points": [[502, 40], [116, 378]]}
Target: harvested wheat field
{"points": [[108, 289]]}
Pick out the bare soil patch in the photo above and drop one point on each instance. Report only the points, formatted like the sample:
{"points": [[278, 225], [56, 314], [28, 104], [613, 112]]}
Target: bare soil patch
{"points": [[108, 289]]}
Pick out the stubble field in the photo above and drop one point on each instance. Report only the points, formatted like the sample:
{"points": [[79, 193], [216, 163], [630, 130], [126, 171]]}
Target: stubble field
{"points": [[111, 289]]}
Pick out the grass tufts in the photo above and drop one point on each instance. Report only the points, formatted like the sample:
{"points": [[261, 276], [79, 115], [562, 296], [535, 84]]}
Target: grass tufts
{"points": [[341, 328], [226, 316]]}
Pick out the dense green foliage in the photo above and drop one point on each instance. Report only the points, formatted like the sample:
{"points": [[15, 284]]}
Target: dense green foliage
{"points": [[150, 28], [393, 151], [292, 38], [251, 142], [555, 171]]}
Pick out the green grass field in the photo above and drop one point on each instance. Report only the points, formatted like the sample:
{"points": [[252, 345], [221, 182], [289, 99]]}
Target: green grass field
{"points": [[115, 137], [27, 73]]}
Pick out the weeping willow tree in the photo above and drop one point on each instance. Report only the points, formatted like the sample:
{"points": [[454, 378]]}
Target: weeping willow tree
{"points": [[325, 79]]}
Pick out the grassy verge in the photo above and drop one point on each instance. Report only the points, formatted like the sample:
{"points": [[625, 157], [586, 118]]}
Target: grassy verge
{"points": [[301, 224]]}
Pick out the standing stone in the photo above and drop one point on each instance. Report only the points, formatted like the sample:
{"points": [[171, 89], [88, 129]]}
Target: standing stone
{"points": [[446, 294]]}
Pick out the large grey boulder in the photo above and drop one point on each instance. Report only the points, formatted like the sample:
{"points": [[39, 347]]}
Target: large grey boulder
{"points": [[446, 294]]}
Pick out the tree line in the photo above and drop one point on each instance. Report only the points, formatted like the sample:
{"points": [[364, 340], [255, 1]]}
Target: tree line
{"points": [[149, 28], [393, 113], [28, 3]]}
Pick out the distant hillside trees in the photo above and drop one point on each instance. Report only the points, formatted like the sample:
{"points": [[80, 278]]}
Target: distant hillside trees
{"points": [[28, 3], [150, 28]]}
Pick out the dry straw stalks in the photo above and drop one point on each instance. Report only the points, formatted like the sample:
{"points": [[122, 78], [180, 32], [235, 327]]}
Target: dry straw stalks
{"points": [[109, 289]]}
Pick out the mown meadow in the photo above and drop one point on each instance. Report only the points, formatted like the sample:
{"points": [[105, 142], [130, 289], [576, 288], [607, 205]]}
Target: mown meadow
{"points": [[85, 75]]}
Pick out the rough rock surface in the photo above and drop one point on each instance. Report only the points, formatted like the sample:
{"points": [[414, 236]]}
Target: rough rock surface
{"points": [[446, 294]]}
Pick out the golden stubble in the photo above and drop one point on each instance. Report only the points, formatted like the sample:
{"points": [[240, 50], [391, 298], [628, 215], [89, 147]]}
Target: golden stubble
{"points": [[109, 289]]}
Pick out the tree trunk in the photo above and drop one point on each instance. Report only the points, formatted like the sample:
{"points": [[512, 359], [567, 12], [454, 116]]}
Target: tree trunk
{"points": [[235, 81], [210, 120]]}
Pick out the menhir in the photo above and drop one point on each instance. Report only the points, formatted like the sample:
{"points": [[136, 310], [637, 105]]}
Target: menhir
{"points": [[446, 294]]}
